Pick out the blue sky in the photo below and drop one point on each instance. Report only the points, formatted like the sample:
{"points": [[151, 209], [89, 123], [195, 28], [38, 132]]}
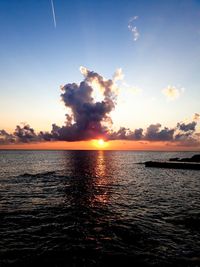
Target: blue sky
{"points": [[36, 57]]}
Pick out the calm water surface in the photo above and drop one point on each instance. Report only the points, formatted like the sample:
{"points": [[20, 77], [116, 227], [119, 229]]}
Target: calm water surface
{"points": [[97, 208]]}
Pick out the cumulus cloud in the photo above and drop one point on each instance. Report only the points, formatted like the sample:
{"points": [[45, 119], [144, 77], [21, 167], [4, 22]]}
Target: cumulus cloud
{"points": [[25, 134], [186, 132], [133, 28], [187, 127], [172, 92], [6, 138], [182, 134], [154, 133], [126, 134], [90, 118], [22, 134]]}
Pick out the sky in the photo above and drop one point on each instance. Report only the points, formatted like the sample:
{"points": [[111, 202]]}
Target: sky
{"points": [[153, 45]]}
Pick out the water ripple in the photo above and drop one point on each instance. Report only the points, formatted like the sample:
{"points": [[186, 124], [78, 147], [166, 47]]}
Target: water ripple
{"points": [[95, 208]]}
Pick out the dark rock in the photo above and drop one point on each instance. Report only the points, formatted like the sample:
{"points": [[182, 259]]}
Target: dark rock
{"points": [[173, 165], [174, 159], [195, 158]]}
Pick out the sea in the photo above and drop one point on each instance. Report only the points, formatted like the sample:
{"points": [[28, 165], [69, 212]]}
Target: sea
{"points": [[97, 208]]}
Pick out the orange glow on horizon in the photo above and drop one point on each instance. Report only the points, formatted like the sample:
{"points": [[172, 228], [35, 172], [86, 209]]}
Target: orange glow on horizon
{"points": [[93, 145], [100, 143]]}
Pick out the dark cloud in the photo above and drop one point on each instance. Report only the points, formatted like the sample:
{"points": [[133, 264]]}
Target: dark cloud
{"points": [[89, 119], [188, 141], [25, 134], [6, 138], [22, 134], [185, 133], [137, 134], [187, 127], [3, 133], [72, 132], [126, 134], [153, 133]]}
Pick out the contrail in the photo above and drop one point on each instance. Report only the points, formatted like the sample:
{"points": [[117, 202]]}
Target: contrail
{"points": [[53, 13]]}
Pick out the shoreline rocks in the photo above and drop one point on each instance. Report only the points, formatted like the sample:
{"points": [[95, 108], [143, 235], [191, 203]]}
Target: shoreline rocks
{"points": [[192, 163]]}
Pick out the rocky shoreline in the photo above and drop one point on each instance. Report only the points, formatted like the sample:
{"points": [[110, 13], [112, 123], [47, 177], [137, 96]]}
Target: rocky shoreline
{"points": [[192, 163]]}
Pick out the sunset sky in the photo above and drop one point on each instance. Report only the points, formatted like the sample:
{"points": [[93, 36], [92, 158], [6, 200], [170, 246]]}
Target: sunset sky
{"points": [[149, 49]]}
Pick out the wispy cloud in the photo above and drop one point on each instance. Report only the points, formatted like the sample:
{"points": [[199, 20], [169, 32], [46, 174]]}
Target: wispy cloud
{"points": [[172, 92], [53, 13], [196, 117], [118, 75], [131, 89], [122, 86], [133, 28]]}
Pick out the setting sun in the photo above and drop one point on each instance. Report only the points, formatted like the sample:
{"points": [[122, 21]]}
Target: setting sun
{"points": [[100, 143]]}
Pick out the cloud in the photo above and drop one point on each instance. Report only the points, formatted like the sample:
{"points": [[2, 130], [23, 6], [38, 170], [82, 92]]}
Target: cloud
{"points": [[6, 138], [182, 134], [189, 127], [133, 28], [25, 134], [118, 75], [125, 89], [189, 142], [126, 134], [88, 118], [196, 117], [172, 93], [91, 119], [22, 134], [153, 133], [185, 132]]}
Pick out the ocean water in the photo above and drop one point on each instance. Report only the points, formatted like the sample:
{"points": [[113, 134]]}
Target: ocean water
{"points": [[97, 208]]}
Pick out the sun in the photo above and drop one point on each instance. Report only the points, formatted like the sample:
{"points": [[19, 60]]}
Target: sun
{"points": [[100, 143]]}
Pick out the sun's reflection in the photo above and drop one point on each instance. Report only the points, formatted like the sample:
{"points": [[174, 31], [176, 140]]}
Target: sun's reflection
{"points": [[88, 183], [101, 182], [100, 165]]}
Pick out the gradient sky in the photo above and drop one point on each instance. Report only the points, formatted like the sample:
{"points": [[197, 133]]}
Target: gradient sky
{"points": [[36, 58]]}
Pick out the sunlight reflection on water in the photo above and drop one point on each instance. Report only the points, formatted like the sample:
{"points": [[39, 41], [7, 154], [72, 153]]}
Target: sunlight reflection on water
{"points": [[97, 207]]}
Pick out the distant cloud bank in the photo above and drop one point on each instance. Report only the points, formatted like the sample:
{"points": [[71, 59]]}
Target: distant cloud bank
{"points": [[89, 119]]}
